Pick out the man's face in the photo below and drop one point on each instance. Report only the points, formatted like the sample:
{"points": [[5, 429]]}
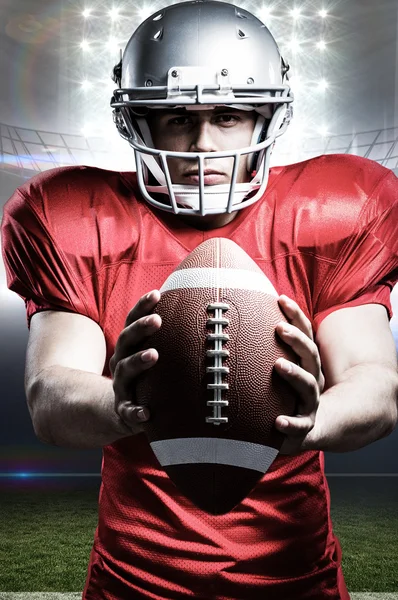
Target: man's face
{"points": [[218, 129]]}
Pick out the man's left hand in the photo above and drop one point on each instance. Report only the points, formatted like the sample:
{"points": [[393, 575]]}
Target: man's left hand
{"points": [[306, 377]]}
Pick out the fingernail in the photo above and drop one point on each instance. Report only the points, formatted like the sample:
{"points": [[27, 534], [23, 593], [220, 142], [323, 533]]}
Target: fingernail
{"points": [[146, 356], [286, 366], [285, 328], [142, 414], [284, 423]]}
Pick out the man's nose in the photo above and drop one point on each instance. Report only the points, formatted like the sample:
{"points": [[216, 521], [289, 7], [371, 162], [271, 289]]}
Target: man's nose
{"points": [[203, 138]]}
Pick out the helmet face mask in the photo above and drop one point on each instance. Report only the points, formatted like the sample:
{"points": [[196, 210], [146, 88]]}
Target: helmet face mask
{"points": [[211, 130], [233, 61]]}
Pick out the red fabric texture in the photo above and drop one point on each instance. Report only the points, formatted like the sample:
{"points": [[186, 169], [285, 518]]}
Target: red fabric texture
{"points": [[81, 239]]}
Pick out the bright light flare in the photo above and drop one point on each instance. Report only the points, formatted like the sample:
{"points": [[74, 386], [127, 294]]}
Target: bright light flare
{"points": [[323, 85], [321, 45], [85, 45], [114, 13], [86, 13], [323, 13], [294, 45], [86, 85], [296, 13]]}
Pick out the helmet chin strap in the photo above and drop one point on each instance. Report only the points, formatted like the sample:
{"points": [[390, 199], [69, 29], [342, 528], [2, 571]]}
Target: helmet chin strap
{"points": [[188, 196]]}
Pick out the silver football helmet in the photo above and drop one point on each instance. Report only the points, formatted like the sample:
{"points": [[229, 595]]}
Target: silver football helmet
{"points": [[198, 55]]}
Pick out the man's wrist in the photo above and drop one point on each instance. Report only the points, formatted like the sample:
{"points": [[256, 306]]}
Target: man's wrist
{"points": [[313, 439]]}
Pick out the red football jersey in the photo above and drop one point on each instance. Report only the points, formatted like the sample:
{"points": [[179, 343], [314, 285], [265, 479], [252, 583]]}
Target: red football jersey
{"points": [[82, 239]]}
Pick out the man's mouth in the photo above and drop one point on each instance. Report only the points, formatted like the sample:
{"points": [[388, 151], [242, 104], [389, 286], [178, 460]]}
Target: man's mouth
{"points": [[210, 177]]}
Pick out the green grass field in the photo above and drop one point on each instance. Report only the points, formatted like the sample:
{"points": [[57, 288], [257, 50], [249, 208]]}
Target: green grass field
{"points": [[365, 518], [46, 535]]}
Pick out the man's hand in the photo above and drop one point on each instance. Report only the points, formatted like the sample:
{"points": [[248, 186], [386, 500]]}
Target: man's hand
{"points": [[127, 362], [306, 378]]}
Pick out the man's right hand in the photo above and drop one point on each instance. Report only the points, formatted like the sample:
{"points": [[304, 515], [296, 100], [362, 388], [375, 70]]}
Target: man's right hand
{"points": [[127, 362]]}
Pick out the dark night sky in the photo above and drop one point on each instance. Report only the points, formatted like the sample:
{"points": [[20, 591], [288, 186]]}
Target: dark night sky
{"points": [[41, 94]]}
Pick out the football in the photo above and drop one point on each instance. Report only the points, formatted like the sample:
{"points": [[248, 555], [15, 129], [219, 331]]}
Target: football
{"points": [[213, 394]]}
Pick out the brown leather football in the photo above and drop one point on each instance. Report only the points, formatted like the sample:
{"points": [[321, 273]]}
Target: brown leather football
{"points": [[213, 394]]}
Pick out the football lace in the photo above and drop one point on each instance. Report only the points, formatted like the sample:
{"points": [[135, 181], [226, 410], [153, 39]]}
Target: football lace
{"points": [[218, 353]]}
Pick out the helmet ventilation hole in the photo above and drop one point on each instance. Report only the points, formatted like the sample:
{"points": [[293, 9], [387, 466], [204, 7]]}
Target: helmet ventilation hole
{"points": [[158, 17], [241, 34], [240, 15], [158, 35]]}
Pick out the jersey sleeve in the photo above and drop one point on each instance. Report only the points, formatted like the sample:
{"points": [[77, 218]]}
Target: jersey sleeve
{"points": [[36, 268], [366, 269]]}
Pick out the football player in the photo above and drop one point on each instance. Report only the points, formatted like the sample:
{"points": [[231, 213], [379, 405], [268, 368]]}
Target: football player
{"points": [[202, 96]]}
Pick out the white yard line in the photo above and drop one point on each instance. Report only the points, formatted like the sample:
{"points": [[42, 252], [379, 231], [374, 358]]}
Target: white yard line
{"points": [[369, 596]]}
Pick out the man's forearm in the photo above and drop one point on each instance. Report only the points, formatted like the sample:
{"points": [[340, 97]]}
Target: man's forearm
{"points": [[74, 409], [357, 411]]}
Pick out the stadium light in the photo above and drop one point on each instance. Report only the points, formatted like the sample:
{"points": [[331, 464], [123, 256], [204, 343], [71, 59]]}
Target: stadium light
{"points": [[86, 13], [323, 13], [86, 85], [85, 45], [114, 14], [296, 13], [321, 45], [323, 85]]}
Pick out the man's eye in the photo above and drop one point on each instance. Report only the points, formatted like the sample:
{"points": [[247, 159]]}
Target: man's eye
{"points": [[227, 118], [179, 121]]}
